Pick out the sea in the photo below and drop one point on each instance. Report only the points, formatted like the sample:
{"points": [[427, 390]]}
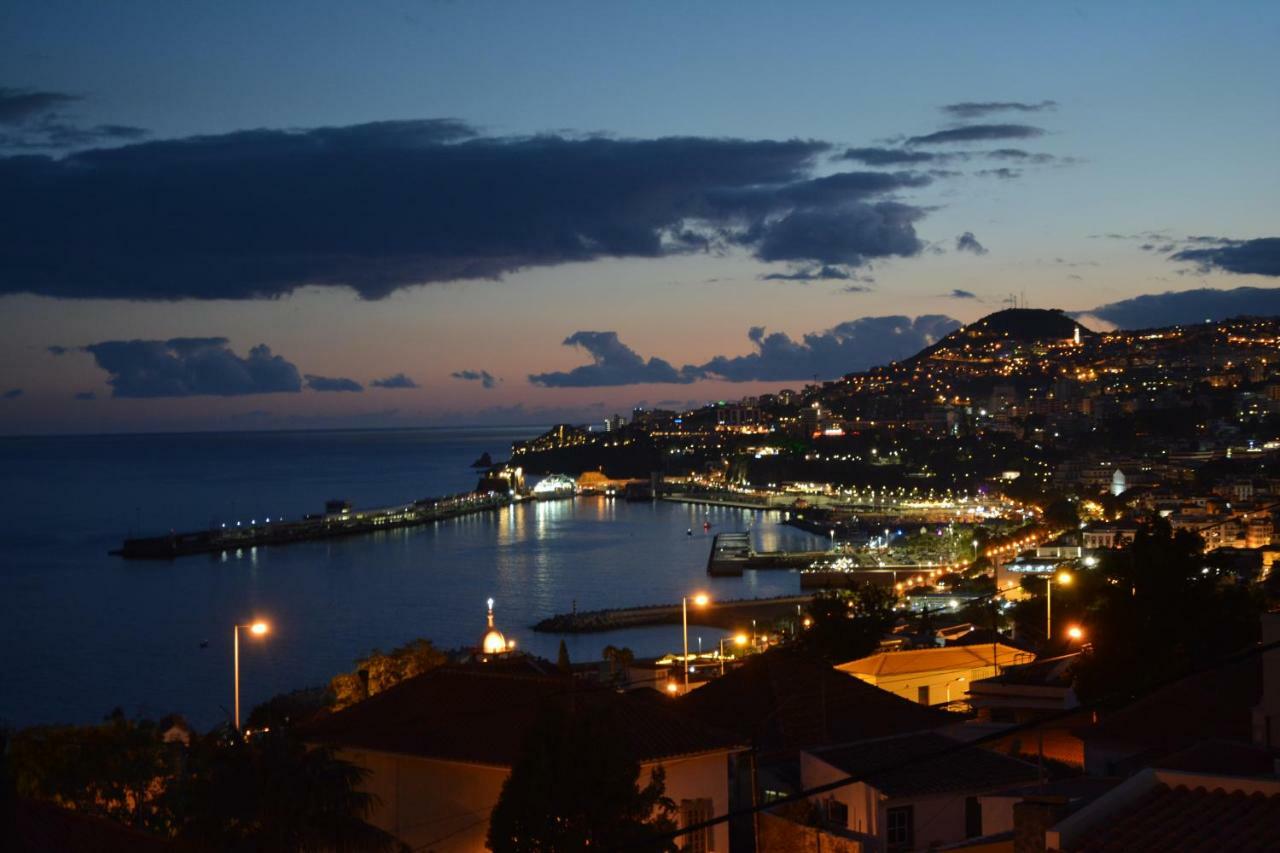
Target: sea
{"points": [[83, 633]]}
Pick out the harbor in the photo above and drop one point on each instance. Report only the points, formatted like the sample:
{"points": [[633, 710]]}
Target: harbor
{"points": [[716, 614], [338, 520]]}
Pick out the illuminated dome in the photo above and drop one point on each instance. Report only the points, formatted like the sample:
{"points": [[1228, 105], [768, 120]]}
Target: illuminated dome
{"points": [[493, 643]]}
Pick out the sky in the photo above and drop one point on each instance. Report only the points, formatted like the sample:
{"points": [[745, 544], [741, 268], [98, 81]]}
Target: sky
{"points": [[321, 214]]}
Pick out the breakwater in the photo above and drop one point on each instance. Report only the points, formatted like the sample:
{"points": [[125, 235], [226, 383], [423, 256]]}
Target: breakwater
{"points": [[729, 615], [339, 522]]}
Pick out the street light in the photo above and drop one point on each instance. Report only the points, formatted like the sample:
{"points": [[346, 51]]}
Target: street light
{"points": [[258, 629], [1063, 579], [1076, 633], [699, 600]]}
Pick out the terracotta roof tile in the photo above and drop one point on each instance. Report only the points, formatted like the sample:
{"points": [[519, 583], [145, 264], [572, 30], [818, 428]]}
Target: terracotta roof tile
{"points": [[784, 700], [479, 716], [1174, 820], [936, 765]]}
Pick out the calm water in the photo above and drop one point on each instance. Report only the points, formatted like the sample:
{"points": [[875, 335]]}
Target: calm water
{"points": [[82, 632]]}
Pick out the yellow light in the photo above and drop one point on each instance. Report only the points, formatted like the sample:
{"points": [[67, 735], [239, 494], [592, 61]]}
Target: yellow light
{"points": [[672, 687], [1064, 578], [807, 622], [1075, 632], [259, 628], [741, 639], [701, 599]]}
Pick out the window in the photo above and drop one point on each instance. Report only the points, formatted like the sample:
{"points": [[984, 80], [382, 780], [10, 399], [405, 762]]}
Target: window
{"points": [[972, 817], [696, 811], [899, 825], [837, 813], [922, 694]]}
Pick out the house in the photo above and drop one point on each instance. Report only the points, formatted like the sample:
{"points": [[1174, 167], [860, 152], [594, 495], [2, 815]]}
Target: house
{"points": [[783, 701], [913, 791], [438, 748], [1172, 811], [934, 676], [1023, 694]]}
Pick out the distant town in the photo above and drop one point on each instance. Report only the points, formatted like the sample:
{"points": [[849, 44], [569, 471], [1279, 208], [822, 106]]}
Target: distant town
{"points": [[1040, 616]]}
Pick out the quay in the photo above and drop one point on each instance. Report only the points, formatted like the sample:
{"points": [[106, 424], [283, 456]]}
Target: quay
{"points": [[338, 520], [717, 614], [731, 554]]}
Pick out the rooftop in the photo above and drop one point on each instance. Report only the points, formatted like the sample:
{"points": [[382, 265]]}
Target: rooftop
{"points": [[925, 763], [477, 715], [885, 664], [1172, 819]]}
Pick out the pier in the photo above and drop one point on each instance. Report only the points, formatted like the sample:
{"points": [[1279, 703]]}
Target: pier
{"points": [[731, 554], [339, 520], [717, 614]]}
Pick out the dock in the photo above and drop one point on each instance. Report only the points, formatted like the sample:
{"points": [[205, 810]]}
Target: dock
{"points": [[732, 554], [330, 525], [729, 615]]}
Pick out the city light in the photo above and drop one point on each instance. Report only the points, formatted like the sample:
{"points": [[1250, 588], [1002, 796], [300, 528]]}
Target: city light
{"points": [[701, 599], [740, 639], [259, 628], [1075, 632]]}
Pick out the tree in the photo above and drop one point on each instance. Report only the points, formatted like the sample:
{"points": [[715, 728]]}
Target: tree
{"points": [[1161, 612], [272, 792], [576, 787], [619, 658], [288, 709], [380, 671], [849, 624], [118, 769]]}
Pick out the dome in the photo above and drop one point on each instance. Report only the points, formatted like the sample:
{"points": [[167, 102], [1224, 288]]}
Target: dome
{"points": [[493, 643]]}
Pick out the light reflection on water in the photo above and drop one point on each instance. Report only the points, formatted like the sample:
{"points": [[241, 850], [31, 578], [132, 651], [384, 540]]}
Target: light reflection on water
{"points": [[84, 632]]}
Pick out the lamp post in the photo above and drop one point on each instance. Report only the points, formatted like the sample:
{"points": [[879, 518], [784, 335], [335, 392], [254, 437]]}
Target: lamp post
{"points": [[699, 600], [258, 629], [1063, 579], [739, 640]]}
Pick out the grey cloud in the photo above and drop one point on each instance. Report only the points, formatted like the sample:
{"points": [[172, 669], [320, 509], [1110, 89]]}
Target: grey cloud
{"points": [[613, 363], [977, 133], [850, 236], [891, 156], [1020, 156], [398, 381], [966, 242], [332, 383], [1002, 173], [187, 367], [383, 206], [848, 347], [19, 105], [1190, 306], [962, 294], [86, 395], [484, 377], [1243, 257], [978, 109], [12, 394], [823, 273]]}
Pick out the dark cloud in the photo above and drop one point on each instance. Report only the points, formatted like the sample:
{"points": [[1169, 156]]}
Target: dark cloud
{"points": [[1190, 306], [12, 394], [1002, 173], [962, 294], [613, 363], [851, 346], [1019, 155], [60, 350], [966, 242], [377, 207], [890, 156], [824, 273], [86, 395], [332, 383], [978, 109], [20, 105], [188, 367], [977, 133], [1244, 257], [484, 377], [851, 235], [398, 381], [31, 120]]}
